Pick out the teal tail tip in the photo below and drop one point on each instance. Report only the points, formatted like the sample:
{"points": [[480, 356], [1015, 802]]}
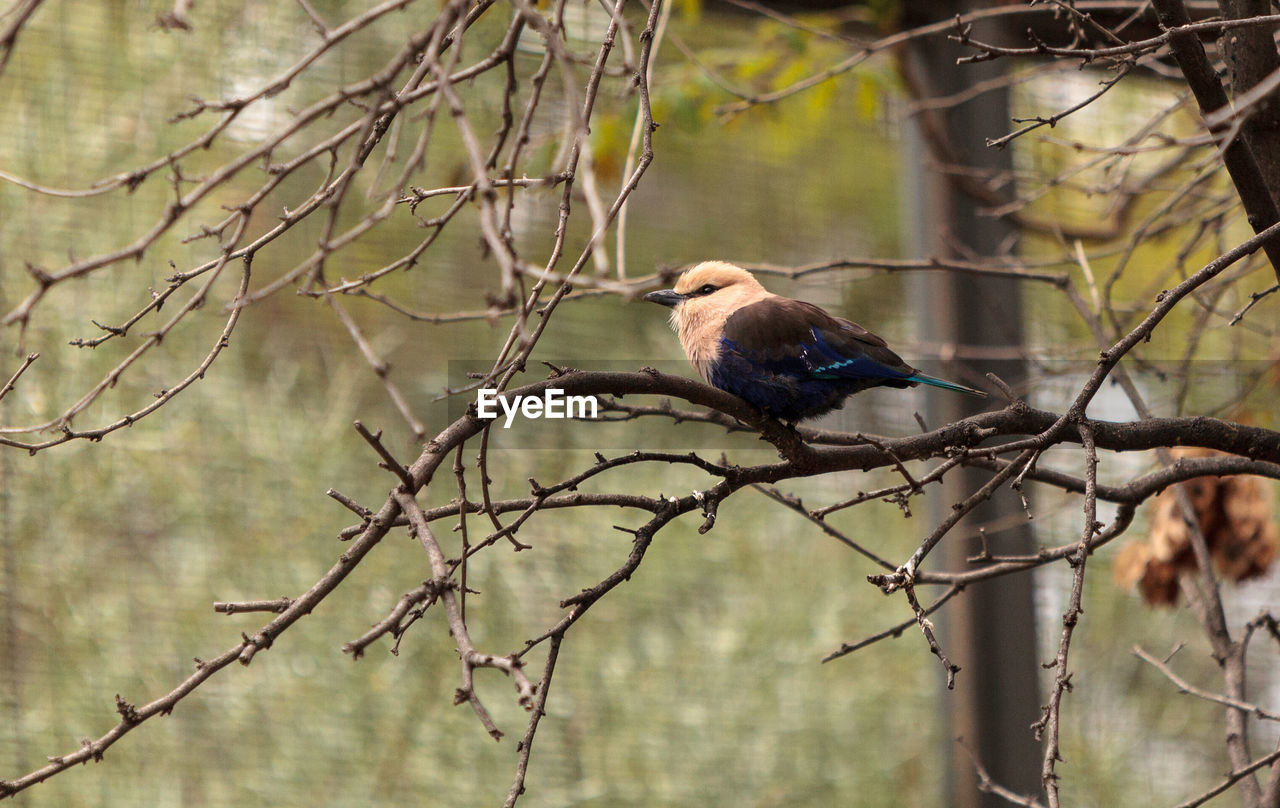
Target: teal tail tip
{"points": [[924, 378]]}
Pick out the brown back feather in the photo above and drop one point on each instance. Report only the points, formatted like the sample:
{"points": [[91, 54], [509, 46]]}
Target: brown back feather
{"points": [[772, 328]]}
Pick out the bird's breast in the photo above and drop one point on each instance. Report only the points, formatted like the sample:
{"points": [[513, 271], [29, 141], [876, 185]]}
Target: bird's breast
{"points": [[699, 334]]}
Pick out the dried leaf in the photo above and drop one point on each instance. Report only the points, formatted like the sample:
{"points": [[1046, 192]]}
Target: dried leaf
{"points": [[1235, 515]]}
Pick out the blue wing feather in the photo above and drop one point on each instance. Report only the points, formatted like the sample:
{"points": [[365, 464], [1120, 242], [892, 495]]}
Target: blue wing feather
{"points": [[850, 361]]}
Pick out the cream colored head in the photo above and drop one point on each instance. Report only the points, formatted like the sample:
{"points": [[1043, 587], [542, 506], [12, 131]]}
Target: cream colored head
{"points": [[721, 276], [703, 298]]}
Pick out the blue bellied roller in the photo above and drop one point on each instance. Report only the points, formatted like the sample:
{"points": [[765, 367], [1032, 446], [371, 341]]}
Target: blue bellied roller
{"points": [[786, 357]]}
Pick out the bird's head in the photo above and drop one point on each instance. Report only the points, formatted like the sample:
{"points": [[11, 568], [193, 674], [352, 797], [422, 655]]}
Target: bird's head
{"points": [[712, 287]]}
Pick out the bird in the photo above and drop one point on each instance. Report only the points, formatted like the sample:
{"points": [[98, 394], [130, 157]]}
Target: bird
{"points": [[788, 358]]}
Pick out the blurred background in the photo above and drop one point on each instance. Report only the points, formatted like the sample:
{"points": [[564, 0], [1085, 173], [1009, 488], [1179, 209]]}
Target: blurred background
{"points": [[698, 682]]}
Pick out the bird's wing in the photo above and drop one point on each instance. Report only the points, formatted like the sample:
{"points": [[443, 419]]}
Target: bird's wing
{"points": [[802, 339]]}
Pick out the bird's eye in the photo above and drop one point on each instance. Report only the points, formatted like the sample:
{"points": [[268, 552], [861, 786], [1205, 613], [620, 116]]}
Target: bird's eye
{"points": [[706, 289]]}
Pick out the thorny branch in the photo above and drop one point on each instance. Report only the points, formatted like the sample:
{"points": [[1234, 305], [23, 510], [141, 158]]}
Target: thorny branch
{"points": [[1048, 727]]}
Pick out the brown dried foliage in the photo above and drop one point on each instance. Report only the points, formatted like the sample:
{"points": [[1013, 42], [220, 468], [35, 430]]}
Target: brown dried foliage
{"points": [[1235, 515]]}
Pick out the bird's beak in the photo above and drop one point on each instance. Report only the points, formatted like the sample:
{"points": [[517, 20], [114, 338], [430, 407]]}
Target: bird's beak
{"points": [[665, 297]]}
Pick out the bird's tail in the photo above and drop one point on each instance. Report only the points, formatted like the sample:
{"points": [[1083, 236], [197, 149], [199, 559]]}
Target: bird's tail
{"points": [[925, 378]]}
